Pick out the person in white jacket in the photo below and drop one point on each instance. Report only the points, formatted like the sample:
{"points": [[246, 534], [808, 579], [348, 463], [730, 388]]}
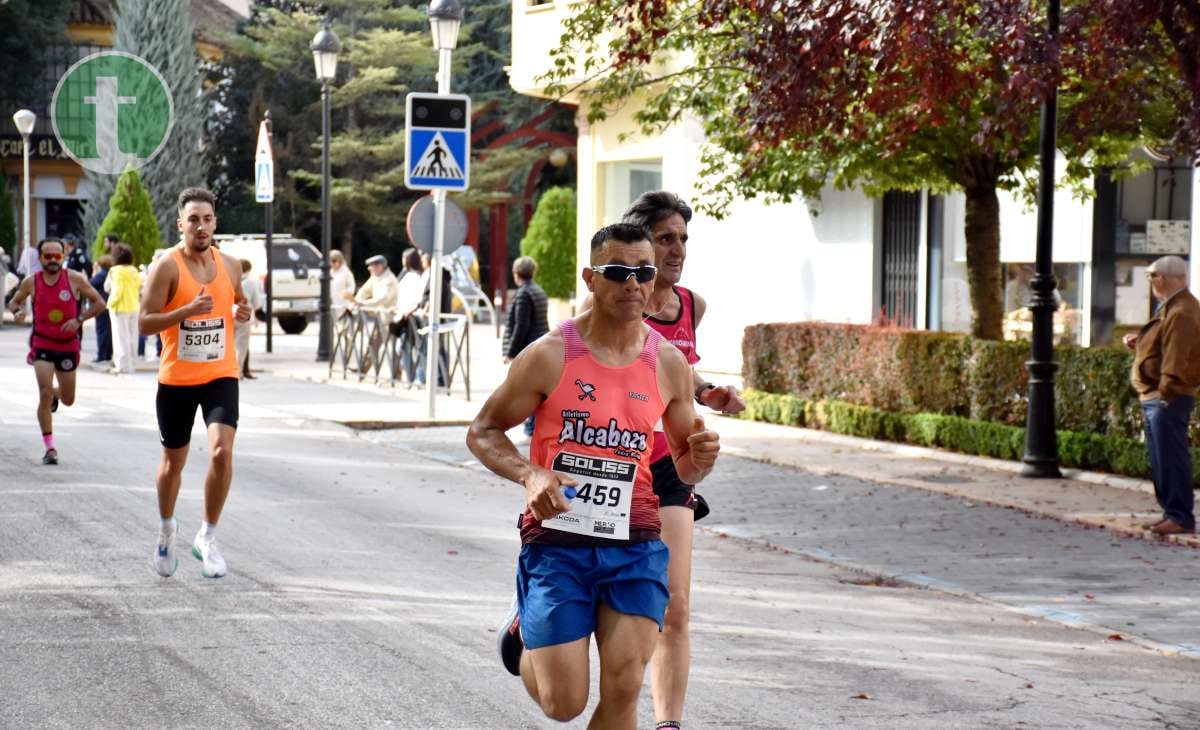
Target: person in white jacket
{"points": [[242, 330]]}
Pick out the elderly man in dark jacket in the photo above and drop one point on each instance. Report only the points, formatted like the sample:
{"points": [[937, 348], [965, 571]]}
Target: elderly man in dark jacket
{"points": [[526, 316], [1166, 374]]}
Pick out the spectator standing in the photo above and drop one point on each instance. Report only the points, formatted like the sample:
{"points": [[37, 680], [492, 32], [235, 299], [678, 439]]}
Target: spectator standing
{"points": [[29, 263], [1166, 374], [526, 316], [378, 292], [104, 343], [124, 285], [241, 330], [341, 284], [158, 343], [77, 257], [409, 295], [447, 296]]}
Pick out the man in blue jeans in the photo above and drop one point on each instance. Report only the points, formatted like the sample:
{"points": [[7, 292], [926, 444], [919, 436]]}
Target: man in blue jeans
{"points": [[1166, 374]]}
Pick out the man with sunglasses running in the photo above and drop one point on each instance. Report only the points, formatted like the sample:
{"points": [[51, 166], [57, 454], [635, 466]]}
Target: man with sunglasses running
{"points": [[591, 560], [54, 347]]}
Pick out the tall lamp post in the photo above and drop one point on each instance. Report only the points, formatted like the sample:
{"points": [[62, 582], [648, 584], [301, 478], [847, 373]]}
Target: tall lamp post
{"points": [[1041, 441], [325, 48], [24, 119], [445, 17]]}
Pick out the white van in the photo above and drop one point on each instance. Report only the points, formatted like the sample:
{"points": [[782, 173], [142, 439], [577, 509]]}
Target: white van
{"points": [[296, 275]]}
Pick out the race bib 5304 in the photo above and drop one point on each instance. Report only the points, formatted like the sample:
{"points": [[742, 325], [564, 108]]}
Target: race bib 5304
{"points": [[202, 340]]}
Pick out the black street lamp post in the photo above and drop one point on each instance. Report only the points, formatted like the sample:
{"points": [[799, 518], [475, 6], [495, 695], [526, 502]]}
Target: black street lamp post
{"points": [[1041, 441], [325, 48]]}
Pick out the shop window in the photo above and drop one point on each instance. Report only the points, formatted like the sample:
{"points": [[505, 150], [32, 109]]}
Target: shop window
{"points": [[1068, 317], [624, 182]]}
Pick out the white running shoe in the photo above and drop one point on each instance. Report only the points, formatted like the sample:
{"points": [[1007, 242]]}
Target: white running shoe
{"points": [[205, 550], [165, 559]]}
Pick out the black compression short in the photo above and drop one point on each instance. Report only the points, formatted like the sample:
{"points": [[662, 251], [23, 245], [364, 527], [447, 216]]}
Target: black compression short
{"points": [[671, 490], [176, 407]]}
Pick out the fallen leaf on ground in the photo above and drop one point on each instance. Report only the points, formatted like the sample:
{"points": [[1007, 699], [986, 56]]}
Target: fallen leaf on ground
{"points": [[861, 696], [1116, 637]]}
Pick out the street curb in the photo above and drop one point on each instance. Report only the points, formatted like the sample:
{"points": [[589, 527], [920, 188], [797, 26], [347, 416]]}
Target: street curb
{"points": [[917, 580]]}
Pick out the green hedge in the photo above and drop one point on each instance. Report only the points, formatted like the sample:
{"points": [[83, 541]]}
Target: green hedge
{"points": [[912, 371], [1090, 451]]}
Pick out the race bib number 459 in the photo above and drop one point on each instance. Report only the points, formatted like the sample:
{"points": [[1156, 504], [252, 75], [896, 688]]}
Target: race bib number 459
{"points": [[603, 496], [202, 340]]}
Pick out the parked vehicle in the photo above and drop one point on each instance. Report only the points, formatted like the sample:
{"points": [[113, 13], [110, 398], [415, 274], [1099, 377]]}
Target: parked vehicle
{"points": [[295, 272]]}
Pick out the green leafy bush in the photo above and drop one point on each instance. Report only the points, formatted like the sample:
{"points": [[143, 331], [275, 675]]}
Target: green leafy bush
{"points": [[550, 241], [911, 371], [131, 218], [1090, 451]]}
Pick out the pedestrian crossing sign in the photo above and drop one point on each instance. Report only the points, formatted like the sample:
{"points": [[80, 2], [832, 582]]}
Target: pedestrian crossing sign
{"points": [[437, 152]]}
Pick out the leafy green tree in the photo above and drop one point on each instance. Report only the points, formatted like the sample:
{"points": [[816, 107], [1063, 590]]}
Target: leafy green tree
{"points": [[162, 33], [386, 53], [131, 217], [550, 241], [34, 32], [8, 221], [877, 94]]}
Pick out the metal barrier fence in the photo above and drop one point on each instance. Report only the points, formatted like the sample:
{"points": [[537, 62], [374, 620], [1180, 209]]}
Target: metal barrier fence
{"points": [[368, 343]]}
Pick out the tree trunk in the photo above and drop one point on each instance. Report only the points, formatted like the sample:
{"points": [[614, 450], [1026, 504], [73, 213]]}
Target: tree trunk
{"points": [[983, 261]]}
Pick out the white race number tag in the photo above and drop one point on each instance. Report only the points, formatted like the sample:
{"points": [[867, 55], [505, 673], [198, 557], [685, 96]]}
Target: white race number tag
{"points": [[602, 498], [202, 340]]}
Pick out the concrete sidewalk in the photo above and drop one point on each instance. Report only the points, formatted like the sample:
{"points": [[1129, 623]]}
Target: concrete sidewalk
{"points": [[1101, 500]]}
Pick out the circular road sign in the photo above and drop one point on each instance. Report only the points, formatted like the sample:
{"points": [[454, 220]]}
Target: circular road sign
{"points": [[420, 225]]}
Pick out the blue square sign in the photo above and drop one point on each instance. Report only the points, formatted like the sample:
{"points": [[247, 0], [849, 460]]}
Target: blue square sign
{"points": [[437, 153]]}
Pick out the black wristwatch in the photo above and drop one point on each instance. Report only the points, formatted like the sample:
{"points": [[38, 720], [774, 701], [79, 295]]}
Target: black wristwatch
{"points": [[700, 391]]}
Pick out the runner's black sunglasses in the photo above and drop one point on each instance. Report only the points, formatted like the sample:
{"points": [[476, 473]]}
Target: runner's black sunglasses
{"points": [[621, 273]]}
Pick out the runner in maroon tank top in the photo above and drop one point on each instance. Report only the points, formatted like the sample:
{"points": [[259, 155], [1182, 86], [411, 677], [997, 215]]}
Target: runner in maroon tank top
{"points": [[675, 312], [54, 340]]}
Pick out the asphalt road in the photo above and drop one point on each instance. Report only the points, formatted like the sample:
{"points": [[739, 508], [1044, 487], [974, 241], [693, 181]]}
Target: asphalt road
{"points": [[367, 573]]}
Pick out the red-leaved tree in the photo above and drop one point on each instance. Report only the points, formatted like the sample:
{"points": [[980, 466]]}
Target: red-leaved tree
{"points": [[879, 94]]}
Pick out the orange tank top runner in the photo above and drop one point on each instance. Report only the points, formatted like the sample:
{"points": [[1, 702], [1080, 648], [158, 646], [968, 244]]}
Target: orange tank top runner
{"points": [[200, 349], [597, 427]]}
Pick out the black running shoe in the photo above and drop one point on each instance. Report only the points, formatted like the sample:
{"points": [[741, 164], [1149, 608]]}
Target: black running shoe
{"points": [[509, 641], [54, 405], [701, 508], [51, 457]]}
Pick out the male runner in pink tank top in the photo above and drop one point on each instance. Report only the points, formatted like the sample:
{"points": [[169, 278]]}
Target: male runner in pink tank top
{"points": [[591, 560], [54, 341]]}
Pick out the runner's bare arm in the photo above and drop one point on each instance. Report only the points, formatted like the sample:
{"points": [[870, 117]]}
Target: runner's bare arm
{"points": [[24, 291], [724, 398], [694, 448], [159, 287], [533, 375], [233, 266]]}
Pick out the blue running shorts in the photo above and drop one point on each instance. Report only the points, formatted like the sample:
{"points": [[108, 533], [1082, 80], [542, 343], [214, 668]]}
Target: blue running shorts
{"points": [[558, 588]]}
